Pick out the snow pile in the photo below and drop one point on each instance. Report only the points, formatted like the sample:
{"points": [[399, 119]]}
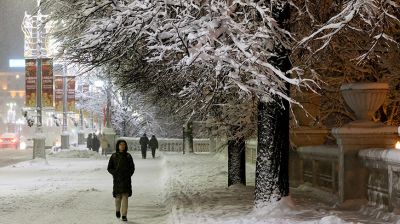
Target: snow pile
{"points": [[196, 192], [331, 220], [76, 154]]}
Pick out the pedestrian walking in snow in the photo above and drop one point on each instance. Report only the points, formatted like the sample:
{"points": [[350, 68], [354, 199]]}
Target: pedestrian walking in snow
{"points": [[96, 143], [153, 144], [121, 167], [89, 142], [144, 141]]}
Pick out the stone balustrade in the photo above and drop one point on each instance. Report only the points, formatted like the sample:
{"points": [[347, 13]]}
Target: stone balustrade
{"points": [[170, 144], [318, 166], [383, 187]]}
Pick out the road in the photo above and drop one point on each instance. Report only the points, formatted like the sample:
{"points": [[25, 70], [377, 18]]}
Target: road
{"points": [[12, 156]]}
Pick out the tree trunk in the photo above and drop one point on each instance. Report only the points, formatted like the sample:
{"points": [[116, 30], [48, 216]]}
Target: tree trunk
{"points": [[236, 162], [272, 175], [272, 166]]}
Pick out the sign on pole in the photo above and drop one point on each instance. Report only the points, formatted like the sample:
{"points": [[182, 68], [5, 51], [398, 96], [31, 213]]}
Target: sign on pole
{"points": [[71, 94], [47, 83], [30, 82], [58, 89]]}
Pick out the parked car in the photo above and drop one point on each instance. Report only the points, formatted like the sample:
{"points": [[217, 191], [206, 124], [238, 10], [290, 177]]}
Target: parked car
{"points": [[9, 140]]}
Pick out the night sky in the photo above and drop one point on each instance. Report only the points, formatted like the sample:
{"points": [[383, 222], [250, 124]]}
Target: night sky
{"points": [[11, 36]]}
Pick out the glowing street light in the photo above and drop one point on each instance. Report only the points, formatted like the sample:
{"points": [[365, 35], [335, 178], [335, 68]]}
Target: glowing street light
{"points": [[397, 146]]}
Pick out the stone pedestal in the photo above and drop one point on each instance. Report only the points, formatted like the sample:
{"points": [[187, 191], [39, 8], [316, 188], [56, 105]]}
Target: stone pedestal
{"points": [[351, 138], [39, 150], [81, 137], [65, 140], [109, 134], [188, 138]]}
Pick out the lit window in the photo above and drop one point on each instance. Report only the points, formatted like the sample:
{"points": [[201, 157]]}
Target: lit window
{"points": [[16, 63]]}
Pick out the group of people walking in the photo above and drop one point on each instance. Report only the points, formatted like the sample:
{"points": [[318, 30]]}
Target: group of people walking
{"points": [[122, 167], [152, 143], [93, 142]]}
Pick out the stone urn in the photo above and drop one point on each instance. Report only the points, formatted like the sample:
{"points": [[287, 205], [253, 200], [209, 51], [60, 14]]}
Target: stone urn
{"points": [[364, 99]]}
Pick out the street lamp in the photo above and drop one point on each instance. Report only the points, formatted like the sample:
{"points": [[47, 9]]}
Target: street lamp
{"points": [[33, 29]]}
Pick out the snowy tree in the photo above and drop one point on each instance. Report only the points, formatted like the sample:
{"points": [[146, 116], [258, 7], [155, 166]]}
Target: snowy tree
{"points": [[348, 41], [219, 53], [224, 58], [130, 114]]}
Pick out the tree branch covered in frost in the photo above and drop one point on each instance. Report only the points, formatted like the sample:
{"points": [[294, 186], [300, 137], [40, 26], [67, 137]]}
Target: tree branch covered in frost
{"points": [[376, 19], [224, 46], [235, 36], [232, 41], [349, 41]]}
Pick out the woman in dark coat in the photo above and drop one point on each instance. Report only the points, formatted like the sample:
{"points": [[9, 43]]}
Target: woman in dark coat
{"points": [[121, 167], [89, 142], [95, 143], [153, 143], [144, 141]]}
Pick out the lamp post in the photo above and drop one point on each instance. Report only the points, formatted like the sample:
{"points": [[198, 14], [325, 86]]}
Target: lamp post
{"points": [[39, 139], [108, 131], [81, 133], [64, 133]]}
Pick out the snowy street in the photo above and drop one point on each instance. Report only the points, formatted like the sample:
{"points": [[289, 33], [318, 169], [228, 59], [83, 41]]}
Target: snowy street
{"points": [[75, 187], [11, 156]]}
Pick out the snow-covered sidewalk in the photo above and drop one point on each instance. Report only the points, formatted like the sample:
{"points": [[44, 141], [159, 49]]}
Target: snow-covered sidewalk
{"points": [[198, 193], [75, 187], [77, 190]]}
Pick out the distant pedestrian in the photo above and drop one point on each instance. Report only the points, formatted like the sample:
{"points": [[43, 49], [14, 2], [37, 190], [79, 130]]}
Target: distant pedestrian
{"points": [[96, 143], [89, 142], [153, 144], [121, 167], [144, 141]]}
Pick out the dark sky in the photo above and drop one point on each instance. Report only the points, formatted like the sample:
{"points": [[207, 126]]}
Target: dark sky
{"points": [[11, 36]]}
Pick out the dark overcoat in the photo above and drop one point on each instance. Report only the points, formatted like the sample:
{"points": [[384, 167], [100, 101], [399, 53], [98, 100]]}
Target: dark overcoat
{"points": [[121, 167], [153, 143], [144, 141]]}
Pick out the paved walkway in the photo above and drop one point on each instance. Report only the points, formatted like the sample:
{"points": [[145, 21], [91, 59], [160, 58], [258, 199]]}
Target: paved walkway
{"points": [[77, 191]]}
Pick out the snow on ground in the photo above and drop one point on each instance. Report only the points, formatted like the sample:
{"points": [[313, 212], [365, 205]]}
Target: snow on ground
{"points": [[74, 187], [76, 190], [198, 193]]}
